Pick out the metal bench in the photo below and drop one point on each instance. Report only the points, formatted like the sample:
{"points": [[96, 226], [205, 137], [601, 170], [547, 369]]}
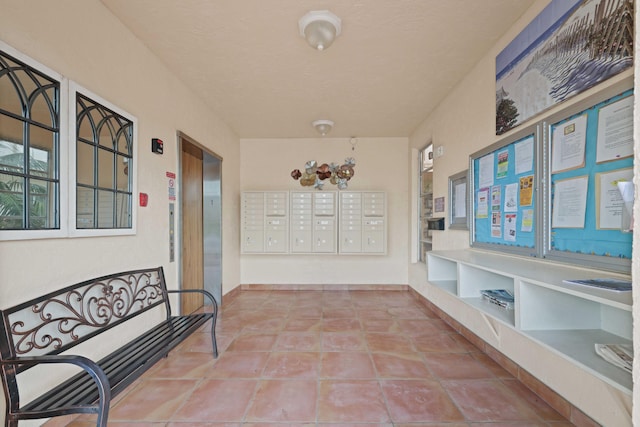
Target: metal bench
{"points": [[39, 331]]}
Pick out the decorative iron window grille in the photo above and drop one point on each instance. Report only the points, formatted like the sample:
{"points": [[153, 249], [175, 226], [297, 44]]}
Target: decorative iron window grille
{"points": [[29, 147], [104, 154]]}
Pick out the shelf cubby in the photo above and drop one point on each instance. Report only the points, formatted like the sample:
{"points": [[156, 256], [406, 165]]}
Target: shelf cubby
{"points": [[550, 318]]}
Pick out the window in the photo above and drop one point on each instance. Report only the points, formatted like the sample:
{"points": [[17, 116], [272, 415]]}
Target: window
{"points": [[29, 147], [67, 157], [104, 150], [426, 199], [103, 166]]}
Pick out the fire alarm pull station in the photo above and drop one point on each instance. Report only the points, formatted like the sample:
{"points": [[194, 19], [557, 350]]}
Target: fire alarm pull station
{"points": [[156, 145]]}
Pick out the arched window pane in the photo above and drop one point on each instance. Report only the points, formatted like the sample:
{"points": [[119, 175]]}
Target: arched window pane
{"points": [[41, 152], [124, 144], [11, 145], [9, 96], [29, 186], [85, 164], [112, 156], [105, 169], [107, 133], [41, 108], [85, 212]]}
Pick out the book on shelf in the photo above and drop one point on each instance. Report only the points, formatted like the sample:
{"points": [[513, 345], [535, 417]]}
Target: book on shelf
{"points": [[500, 297], [609, 284], [620, 355]]}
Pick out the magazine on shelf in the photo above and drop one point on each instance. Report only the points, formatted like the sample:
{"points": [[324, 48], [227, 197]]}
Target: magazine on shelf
{"points": [[620, 355], [616, 285], [500, 297]]}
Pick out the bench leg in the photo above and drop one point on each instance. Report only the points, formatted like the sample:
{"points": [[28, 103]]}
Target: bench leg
{"points": [[103, 414], [213, 338], [102, 420]]}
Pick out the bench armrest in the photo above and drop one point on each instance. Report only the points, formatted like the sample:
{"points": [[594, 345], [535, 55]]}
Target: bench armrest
{"points": [[88, 365], [208, 294], [214, 311]]}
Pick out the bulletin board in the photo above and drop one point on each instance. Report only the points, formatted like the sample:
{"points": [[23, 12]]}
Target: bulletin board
{"points": [[590, 152], [552, 189], [504, 194]]}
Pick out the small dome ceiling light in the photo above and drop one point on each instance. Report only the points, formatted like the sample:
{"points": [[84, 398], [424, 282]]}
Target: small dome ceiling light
{"points": [[320, 28], [323, 126]]}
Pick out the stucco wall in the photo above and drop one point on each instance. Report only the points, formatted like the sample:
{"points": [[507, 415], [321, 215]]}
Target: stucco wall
{"points": [[266, 165], [85, 43], [465, 122]]}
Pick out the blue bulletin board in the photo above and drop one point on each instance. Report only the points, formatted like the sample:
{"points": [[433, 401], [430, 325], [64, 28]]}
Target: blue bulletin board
{"points": [[504, 193], [596, 232], [551, 190]]}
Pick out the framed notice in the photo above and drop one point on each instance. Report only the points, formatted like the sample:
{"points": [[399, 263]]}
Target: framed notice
{"points": [[570, 202], [615, 131], [609, 201], [458, 197]]}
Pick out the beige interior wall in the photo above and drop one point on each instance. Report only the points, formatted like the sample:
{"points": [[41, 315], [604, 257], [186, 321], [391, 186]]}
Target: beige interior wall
{"points": [[81, 40], [465, 123], [266, 165], [84, 42]]}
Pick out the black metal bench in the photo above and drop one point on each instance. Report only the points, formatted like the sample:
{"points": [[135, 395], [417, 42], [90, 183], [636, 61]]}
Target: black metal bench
{"points": [[39, 331]]}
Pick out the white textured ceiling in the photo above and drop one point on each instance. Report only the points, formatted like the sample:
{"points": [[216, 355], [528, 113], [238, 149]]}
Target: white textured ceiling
{"points": [[393, 63]]}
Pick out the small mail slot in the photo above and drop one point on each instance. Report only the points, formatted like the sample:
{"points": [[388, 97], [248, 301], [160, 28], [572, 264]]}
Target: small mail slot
{"points": [[435, 224]]}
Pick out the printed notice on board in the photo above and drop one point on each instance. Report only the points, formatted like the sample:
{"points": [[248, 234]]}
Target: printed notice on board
{"points": [[610, 202], [510, 227], [570, 202], [460, 209], [527, 220], [524, 155], [485, 174], [511, 197], [526, 190], [568, 146], [496, 224], [496, 196], [503, 164], [482, 210], [615, 131]]}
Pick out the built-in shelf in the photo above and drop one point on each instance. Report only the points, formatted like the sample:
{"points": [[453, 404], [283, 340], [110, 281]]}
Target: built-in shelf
{"points": [[450, 286], [578, 344], [506, 316], [554, 317]]}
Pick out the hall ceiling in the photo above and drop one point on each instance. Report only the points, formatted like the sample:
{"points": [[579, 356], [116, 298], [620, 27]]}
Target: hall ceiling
{"points": [[393, 63]]}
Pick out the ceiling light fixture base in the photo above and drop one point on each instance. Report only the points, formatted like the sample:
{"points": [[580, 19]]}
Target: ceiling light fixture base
{"points": [[323, 126], [320, 28]]}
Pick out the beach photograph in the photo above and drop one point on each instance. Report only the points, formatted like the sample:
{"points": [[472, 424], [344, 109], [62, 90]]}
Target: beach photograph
{"points": [[571, 46]]}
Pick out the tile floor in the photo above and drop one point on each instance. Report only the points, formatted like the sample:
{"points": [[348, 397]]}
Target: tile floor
{"points": [[330, 359]]}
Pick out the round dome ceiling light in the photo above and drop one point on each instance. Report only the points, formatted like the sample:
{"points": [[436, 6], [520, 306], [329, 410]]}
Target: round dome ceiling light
{"points": [[320, 28]]}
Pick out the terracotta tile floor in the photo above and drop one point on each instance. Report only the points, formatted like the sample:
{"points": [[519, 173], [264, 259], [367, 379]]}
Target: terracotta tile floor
{"points": [[330, 359]]}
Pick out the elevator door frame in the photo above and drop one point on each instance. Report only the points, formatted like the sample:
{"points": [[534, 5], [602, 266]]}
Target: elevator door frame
{"points": [[217, 291]]}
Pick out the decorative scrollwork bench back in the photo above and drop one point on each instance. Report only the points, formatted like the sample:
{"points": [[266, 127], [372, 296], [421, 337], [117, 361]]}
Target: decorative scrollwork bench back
{"points": [[43, 329]]}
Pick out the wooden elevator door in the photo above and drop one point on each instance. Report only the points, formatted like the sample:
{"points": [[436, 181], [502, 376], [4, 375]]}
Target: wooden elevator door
{"points": [[192, 229]]}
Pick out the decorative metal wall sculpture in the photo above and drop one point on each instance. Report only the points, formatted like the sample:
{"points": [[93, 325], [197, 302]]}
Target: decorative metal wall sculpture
{"points": [[316, 176]]}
